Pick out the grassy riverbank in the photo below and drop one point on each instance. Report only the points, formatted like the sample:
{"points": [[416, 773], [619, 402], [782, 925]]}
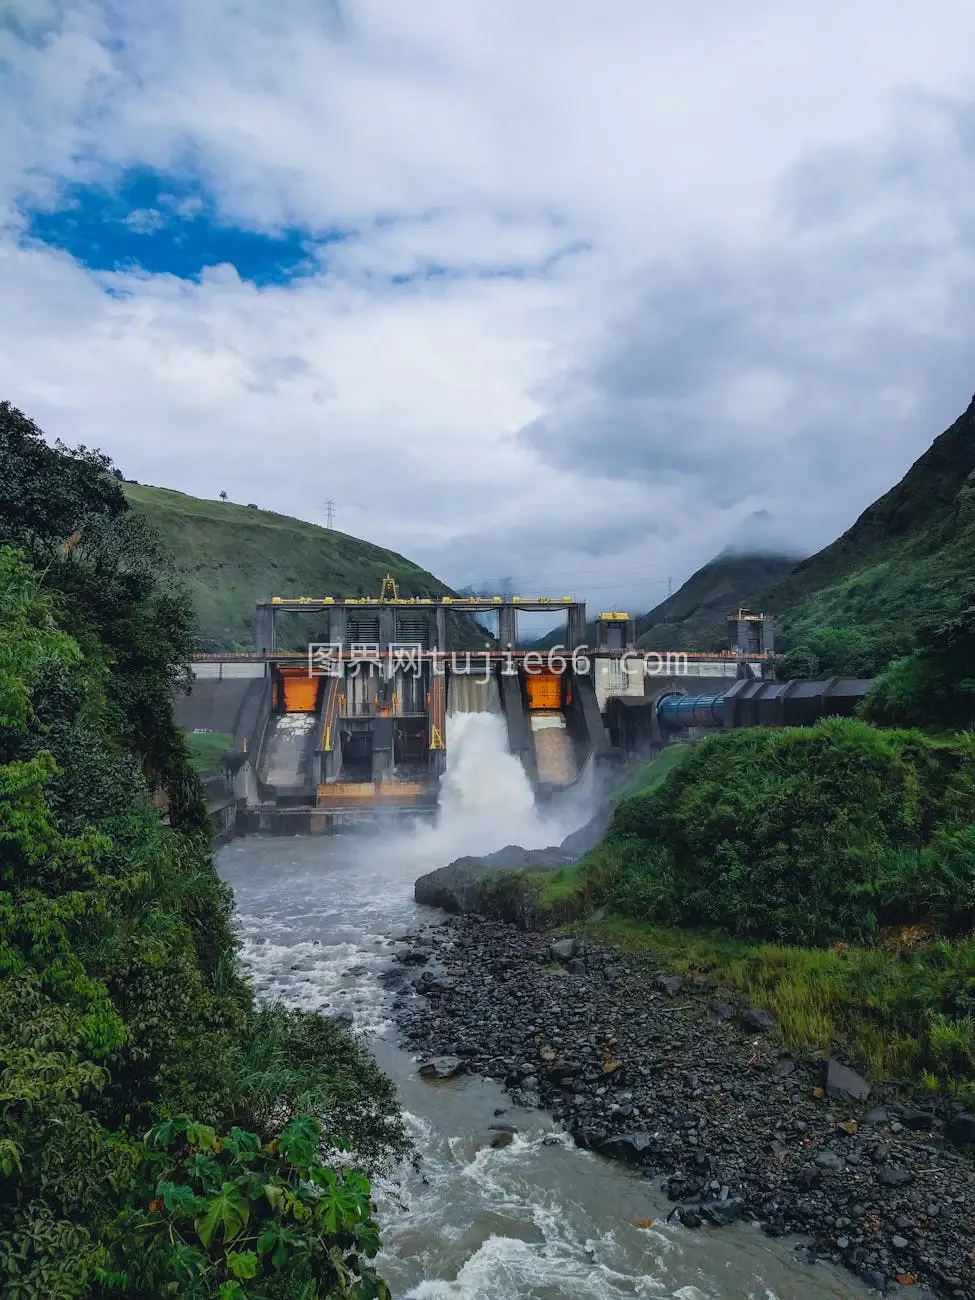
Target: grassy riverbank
{"points": [[835, 866], [888, 1006]]}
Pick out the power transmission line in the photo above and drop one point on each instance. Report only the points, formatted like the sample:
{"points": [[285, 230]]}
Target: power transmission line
{"points": [[329, 512]]}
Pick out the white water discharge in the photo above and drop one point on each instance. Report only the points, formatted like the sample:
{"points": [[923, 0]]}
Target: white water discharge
{"points": [[486, 800], [538, 1220]]}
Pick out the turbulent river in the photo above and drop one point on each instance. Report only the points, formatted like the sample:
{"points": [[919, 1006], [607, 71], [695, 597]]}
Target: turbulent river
{"points": [[538, 1219]]}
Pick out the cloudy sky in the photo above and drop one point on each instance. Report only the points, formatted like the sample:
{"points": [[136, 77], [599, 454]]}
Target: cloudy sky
{"points": [[555, 290]]}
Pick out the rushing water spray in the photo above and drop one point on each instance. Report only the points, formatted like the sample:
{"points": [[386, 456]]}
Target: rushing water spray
{"points": [[486, 799]]}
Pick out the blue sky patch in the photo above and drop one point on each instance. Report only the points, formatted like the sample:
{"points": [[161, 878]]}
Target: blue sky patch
{"points": [[164, 225]]}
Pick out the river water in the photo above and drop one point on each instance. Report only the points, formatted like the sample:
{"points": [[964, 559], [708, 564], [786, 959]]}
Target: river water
{"points": [[539, 1219]]}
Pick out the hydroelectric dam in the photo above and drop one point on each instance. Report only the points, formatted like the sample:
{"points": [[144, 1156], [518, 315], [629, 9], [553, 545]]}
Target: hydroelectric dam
{"points": [[356, 725]]}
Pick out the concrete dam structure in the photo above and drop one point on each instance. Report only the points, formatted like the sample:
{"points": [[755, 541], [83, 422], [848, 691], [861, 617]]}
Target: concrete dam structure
{"points": [[358, 725]]}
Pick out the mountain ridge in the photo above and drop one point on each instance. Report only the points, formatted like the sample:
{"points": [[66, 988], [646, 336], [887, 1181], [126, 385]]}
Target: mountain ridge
{"points": [[904, 563]]}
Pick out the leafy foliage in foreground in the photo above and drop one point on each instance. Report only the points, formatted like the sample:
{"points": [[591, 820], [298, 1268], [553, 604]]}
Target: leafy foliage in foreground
{"points": [[807, 835], [234, 1217], [121, 1000]]}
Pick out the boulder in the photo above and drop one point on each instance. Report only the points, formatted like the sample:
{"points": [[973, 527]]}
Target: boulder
{"points": [[831, 1161], [564, 949], [721, 1212], [914, 1118], [631, 1148], [894, 1176], [471, 884], [845, 1084], [441, 1067], [670, 984], [961, 1128], [758, 1018]]}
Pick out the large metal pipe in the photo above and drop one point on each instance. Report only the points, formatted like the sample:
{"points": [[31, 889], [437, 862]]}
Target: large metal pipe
{"points": [[675, 712]]}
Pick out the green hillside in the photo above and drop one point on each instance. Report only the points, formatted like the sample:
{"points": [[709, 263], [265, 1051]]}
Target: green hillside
{"points": [[695, 616], [907, 562], [230, 556]]}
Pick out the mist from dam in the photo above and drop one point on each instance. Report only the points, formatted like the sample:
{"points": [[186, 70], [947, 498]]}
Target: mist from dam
{"points": [[319, 919]]}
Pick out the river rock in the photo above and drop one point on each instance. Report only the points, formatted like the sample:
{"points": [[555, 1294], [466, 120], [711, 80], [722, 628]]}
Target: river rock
{"points": [[721, 1212], [689, 1218], [894, 1176], [670, 984], [631, 1148], [564, 949], [441, 1067], [703, 1105], [413, 957], [831, 1161], [845, 1084], [501, 1140]]}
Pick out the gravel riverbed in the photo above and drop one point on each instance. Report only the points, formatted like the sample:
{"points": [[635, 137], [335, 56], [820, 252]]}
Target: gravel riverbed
{"points": [[688, 1085]]}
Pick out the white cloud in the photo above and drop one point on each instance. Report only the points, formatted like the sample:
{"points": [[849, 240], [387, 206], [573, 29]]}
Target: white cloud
{"points": [[145, 220], [744, 245]]}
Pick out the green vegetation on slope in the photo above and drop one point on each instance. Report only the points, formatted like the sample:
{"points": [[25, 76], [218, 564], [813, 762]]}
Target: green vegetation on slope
{"points": [[230, 556], [159, 1133], [934, 687], [903, 566]]}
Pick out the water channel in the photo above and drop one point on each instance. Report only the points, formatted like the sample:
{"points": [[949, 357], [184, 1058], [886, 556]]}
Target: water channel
{"points": [[539, 1219]]}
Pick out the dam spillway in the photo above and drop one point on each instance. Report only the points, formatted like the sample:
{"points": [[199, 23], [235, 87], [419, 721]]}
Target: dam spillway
{"points": [[356, 725]]}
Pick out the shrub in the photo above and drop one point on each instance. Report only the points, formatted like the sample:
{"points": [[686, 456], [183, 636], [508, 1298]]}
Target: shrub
{"points": [[806, 835]]}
